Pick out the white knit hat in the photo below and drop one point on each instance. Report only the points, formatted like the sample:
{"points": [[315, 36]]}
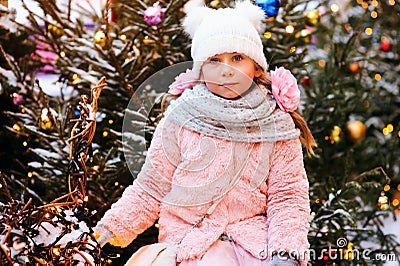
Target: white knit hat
{"points": [[224, 30]]}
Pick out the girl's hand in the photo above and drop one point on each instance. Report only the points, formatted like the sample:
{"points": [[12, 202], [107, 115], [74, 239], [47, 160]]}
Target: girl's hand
{"points": [[102, 235]]}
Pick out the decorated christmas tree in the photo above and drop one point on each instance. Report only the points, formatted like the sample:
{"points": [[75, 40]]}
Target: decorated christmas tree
{"points": [[56, 233], [345, 55]]}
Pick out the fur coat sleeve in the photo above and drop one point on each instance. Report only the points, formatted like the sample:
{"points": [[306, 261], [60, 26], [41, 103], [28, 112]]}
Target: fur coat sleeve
{"points": [[288, 201], [139, 206]]}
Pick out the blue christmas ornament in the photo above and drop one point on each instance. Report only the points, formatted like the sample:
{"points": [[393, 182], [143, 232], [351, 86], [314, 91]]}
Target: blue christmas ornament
{"points": [[77, 112], [270, 7]]}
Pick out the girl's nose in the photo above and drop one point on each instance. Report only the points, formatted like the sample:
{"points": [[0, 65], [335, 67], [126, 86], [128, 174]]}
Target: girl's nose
{"points": [[226, 70]]}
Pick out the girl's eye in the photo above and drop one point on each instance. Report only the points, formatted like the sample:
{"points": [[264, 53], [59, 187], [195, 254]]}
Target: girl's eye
{"points": [[214, 60], [237, 57]]}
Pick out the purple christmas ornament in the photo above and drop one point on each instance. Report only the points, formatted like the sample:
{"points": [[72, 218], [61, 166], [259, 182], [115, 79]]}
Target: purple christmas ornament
{"points": [[17, 98], [154, 15]]}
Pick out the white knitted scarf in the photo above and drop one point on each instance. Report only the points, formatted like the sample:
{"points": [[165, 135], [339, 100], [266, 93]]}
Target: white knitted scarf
{"points": [[251, 118]]}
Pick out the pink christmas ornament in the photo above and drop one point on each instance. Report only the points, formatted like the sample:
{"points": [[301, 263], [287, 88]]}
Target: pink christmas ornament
{"points": [[154, 15], [17, 98]]}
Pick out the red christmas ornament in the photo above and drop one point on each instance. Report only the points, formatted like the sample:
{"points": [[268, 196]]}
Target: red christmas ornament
{"points": [[306, 81], [385, 46], [113, 13]]}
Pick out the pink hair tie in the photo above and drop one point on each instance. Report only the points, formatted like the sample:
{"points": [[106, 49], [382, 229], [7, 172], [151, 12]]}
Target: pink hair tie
{"points": [[183, 81], [285, 89]]}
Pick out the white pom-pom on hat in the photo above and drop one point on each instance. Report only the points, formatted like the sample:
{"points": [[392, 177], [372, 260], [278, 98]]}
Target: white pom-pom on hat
{"points": [[194, 18], [193, 4], [254, 13]]}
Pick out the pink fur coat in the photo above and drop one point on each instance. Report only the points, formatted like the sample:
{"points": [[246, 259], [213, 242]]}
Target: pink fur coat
{"points": [[267, 209]]}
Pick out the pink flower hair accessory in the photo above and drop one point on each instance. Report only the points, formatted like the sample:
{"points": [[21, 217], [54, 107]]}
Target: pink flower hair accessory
{"points": [[183, 81], [285, 89]]}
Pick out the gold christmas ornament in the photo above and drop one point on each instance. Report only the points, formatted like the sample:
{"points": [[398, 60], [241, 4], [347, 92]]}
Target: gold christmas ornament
{"points": [[335, 136], [312, 17], [56, 29], [356, 131], [383, 202], [100, 38], [47, 119], [354, 67], [215, 3]]}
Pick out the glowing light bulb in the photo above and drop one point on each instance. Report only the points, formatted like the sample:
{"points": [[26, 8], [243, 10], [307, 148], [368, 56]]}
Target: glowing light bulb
{"points": [[56, 251], [368, 31], [395, 202], [385, 131], [335, 8], [289, 29], [267, 35], [16, 127]]}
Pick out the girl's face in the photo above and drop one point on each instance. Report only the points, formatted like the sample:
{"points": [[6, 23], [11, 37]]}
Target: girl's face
{"points": [[229, 75]]}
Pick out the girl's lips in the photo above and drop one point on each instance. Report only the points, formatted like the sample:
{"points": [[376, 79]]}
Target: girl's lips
{"points": [[228, 84]]}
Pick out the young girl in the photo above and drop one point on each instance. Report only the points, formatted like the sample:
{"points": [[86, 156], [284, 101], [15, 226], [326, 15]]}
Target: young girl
{"points": [[224, 174]]}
